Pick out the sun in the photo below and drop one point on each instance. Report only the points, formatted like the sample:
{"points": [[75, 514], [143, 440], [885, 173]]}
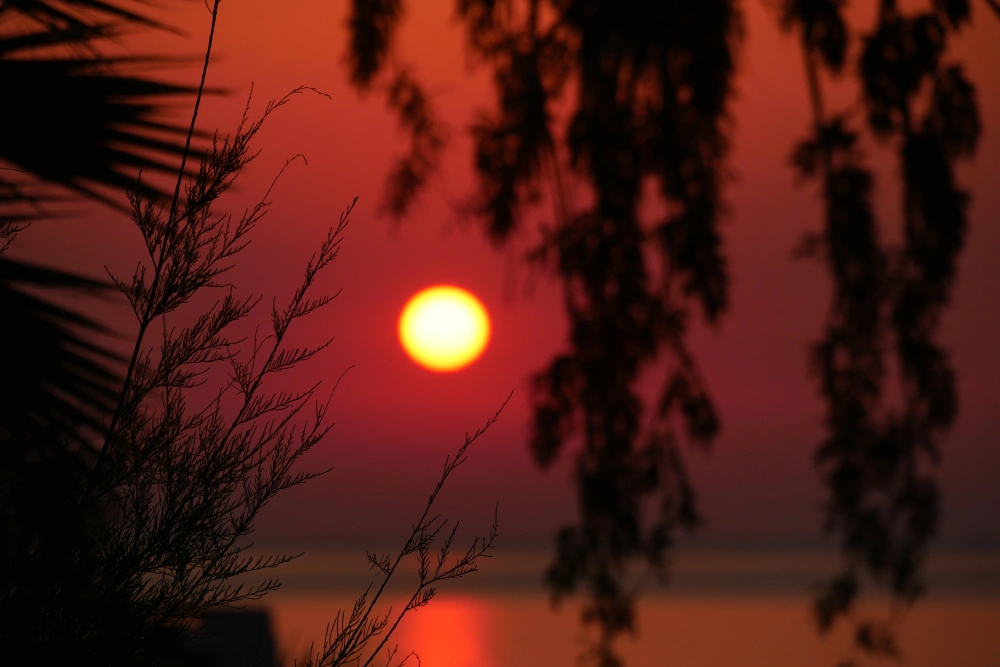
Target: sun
{"points": [[444, 328]]}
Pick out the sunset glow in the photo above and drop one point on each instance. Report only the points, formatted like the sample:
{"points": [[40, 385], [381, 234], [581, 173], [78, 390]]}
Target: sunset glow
{"points": [[444, 328]]}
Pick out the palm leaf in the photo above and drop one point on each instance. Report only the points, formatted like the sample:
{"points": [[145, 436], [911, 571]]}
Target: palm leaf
{"points": [[85, 122], [59, 382], [77, 119], [78, 13]]}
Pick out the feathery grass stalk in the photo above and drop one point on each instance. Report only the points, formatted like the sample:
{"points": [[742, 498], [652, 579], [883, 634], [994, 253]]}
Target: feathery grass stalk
{"points": [[173, 212], [184, 485]]}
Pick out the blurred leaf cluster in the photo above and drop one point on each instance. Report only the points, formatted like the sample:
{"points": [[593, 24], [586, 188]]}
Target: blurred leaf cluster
{"points": [[604, 109]]}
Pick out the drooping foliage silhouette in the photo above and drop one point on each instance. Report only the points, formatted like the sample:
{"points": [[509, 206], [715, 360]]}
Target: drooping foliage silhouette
{"points": [[651, 83], [644, 88], [882, 330]]}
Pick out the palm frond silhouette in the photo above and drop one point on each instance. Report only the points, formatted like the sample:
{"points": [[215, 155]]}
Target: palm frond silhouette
{"points": [[82, 121], [77, 118]]}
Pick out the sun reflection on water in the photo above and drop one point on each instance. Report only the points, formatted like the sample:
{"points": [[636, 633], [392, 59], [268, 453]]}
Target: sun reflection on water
{"points": [[449, 632], [759, 631]]}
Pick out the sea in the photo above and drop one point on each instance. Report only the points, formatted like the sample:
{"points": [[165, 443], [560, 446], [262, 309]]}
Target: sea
{"points": [[718, 609]]}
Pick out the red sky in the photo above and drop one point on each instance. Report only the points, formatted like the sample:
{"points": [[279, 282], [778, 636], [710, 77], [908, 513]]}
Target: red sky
{"points": [[396, 421]]}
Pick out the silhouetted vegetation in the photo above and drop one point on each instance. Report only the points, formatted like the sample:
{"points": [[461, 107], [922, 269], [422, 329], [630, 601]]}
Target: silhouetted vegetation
{"points": [[347, 637], [646, 87], [878, 458], [50, 414], [127, 496], [61, 380], [75, 118], [103, 540]]}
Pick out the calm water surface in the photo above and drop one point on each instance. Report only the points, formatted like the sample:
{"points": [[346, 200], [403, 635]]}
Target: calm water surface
{"points": [[723, 609]]}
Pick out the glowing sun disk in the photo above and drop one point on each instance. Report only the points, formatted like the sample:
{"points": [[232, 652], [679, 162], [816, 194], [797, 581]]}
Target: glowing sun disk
{"points": [[444, 328]]}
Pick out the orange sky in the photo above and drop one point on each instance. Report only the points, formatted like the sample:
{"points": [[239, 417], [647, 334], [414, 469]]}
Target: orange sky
{"points": [[396, 421]]}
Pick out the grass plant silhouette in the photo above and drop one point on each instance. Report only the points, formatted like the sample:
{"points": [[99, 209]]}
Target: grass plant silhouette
{"points": [[169, 492]]}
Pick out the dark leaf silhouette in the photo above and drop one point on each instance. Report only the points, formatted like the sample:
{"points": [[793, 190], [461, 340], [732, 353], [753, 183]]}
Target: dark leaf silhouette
{"points": [[652, 81], [878, 458], [76, 118], [107, 126], [427, 137], [62, 391], [371, 26], [60, 380], [80, 13]]}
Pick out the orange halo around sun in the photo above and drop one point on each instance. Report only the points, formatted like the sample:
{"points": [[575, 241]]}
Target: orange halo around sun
{"points": [[444, 328]]}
